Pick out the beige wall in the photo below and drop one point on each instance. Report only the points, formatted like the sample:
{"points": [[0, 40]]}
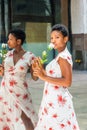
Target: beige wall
{"points": [[37, 32]]}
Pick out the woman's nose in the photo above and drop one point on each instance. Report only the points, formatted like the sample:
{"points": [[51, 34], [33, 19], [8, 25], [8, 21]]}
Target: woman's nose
{"points": [[53, 40], [7, 41]]}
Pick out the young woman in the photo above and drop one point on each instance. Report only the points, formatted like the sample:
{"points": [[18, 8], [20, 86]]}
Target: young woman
{"points": [[15, 98], [56, 110]]}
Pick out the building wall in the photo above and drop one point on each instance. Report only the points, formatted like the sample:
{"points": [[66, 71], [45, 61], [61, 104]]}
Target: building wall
{"points": [[79, 33]]}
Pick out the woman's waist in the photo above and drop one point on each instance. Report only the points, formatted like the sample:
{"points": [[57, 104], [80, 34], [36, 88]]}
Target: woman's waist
{"points": [[55, 87], [8, 80], [54, 90], [14, 75]]}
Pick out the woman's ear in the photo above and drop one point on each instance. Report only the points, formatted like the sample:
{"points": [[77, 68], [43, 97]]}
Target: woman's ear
{"points": [[66, 39], [19, 41]]}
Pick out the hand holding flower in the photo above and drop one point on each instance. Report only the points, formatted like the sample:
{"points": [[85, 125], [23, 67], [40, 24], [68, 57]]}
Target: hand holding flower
{"points": [[38, 69], [37, 66], [36, 63]]}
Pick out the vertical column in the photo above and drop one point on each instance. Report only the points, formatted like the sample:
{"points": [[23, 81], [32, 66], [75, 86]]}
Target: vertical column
{"points": [[9, 17], [79, 33], [64, 12], [3, 32]]}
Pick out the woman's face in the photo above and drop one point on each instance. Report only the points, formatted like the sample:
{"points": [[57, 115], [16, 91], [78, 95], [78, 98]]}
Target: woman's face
{"points": [[12, 41], [58, 40]]}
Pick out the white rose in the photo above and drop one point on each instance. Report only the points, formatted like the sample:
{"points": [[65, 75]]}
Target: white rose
{"points": [[4, 45], [50, 46], [44, 53]]}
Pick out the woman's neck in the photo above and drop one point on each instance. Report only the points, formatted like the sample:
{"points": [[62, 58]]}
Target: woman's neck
{"points": [[61, 49], [18, 50]]}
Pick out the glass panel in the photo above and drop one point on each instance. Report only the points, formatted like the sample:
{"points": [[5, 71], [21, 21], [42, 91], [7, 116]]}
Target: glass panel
{"points": [[32, 7]]}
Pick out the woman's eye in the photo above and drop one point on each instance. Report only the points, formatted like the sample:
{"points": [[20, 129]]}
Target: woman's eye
{"points": [[51, 38]]}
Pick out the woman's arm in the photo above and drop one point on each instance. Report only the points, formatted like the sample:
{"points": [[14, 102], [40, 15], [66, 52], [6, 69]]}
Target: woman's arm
{"points": [[66, 70]]}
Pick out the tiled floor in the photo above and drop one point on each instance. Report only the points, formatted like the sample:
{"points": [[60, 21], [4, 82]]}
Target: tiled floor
{"points": [[78, 90]]}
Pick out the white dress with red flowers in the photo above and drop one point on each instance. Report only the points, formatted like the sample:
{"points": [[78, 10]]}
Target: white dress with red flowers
{"points": [[56, 110], [14, 93]]}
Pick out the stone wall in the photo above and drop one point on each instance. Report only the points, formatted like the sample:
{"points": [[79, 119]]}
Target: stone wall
{"points": [[80, 51], [79, 33]]}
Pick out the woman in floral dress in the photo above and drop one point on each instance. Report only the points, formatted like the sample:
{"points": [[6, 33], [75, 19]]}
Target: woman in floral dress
{"points": [[56, 111], [15, 98]]}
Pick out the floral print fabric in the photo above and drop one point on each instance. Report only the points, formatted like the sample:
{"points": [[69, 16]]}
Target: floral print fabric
{"points": [[56, 110], [14, 94]]}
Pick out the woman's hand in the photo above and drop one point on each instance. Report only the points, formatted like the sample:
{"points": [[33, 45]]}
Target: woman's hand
{"points": [[1, 70], [32, 68], [38, 68]]}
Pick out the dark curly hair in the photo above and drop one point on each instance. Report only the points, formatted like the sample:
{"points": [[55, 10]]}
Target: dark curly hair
{"points": [[18, 34], [62, 28]]}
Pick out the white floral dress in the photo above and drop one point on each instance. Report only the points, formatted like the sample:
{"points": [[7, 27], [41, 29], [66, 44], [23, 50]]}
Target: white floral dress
{"points": [[56, 110], [14, 94]]}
